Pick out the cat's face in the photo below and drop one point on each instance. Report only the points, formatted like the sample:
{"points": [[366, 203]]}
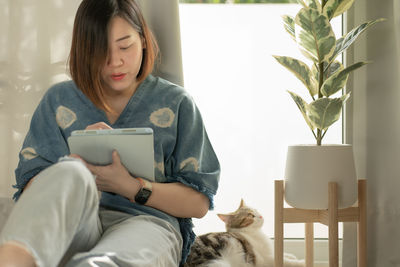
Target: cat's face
{"points": [[243, 217]]}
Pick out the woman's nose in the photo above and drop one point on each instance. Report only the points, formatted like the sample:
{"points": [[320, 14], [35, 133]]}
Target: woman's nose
{"points": [[114, 60]]}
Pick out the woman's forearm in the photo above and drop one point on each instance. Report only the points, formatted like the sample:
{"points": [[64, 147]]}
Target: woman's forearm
{"points": [[178, 200]]}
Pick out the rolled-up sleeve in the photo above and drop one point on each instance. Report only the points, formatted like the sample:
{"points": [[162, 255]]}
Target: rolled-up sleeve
{"points": [[44, 144], [193, 161]]}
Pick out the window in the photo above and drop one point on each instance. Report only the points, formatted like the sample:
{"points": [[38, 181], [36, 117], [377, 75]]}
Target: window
{"points": [[241, 92]]}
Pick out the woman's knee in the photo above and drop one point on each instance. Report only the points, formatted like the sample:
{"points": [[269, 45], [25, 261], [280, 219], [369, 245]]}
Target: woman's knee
{"points": [[70, 174]]}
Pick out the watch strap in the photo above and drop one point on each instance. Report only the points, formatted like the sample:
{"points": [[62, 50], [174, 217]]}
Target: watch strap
{"points": [[144, 183], [144, 192]]}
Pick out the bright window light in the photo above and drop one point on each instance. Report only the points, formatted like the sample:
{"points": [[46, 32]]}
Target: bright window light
{"points": [[242, 93]]}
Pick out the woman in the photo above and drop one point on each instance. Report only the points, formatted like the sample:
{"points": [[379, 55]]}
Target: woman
{"points": [[59, 218]]}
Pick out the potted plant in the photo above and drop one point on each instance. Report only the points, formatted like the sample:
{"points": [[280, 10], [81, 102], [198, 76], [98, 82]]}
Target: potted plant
{"points": [[312, 167]]}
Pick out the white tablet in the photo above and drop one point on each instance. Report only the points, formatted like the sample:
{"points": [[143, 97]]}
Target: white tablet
{"points": [[134, 145]]}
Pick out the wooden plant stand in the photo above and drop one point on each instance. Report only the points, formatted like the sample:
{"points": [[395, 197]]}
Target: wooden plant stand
{"points": [[330, 217]]}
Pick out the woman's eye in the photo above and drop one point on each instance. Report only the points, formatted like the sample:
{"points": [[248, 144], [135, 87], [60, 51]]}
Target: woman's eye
{"points": [[126, 47]]}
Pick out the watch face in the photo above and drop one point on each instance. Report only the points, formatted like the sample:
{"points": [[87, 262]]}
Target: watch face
{"points": [[142, 196]]}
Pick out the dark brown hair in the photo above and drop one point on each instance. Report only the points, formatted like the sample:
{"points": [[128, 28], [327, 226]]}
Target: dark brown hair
{"points": [[90, 44]]}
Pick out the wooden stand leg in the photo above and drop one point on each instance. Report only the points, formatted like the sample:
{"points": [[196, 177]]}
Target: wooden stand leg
{"points": [[362, 224], [329, 217], [278, 224], [333, 226], [309, 240]]}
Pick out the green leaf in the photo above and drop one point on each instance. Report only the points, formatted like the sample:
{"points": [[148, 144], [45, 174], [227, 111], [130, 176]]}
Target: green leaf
{"points": [[339, 79], [301, 2], [333, 67], [315, 72], [334, 8], [330, 8], [303, 107], [329, 70], [301, 71], [344, 5], [344, 42], [324, 112], [315, 4], [315, 35], [289, 25], [345, 97]]}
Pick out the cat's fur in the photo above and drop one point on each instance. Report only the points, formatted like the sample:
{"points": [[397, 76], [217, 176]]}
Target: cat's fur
{"points": [[242, 245]]}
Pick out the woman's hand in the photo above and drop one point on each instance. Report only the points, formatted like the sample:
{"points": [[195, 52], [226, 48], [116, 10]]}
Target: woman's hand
{"points": [[115, 178], [175, 199], [98, 126], [112, 178]]}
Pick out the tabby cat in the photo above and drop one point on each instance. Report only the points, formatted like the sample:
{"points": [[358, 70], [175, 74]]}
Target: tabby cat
{"points": [[243, 244]]}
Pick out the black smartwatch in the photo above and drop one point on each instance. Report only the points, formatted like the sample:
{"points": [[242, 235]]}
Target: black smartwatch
{"points": [[144, 192]]}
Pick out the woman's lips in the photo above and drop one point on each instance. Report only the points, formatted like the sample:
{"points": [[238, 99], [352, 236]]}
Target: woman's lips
{"points": [[118, 77]]}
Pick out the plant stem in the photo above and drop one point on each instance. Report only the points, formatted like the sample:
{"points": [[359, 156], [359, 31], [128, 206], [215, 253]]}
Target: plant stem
{"points": [[323, 2], [321, 78], [319, 137], [313, 133], [324, 133]]}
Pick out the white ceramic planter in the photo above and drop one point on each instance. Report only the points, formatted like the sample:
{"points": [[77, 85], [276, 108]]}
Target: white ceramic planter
{"points": [[309, 169]]}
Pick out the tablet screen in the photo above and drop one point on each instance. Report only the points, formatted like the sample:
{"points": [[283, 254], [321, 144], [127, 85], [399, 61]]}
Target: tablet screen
{"points": [[134, 145]]}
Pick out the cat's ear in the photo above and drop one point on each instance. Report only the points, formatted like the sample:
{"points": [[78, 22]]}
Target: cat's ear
{"points": [[224, 217], [241, 203]]}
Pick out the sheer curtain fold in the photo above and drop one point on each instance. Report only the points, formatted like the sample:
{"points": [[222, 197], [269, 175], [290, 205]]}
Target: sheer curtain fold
{"points": [[163, 19], [35, 38], [34, 45], [373, 127]]}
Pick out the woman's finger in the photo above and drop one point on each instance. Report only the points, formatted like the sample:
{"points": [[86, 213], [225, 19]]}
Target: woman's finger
{"points": [[115, 157], [77, 157], [92, 168], [98, 126]]}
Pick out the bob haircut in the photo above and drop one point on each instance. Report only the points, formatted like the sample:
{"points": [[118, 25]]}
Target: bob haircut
{"points": [[89, 48]]}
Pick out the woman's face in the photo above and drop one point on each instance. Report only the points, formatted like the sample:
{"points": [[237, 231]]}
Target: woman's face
{"points": [[125, 51]]}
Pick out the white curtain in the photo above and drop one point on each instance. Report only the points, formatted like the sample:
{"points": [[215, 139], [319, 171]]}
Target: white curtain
{"points": [[373, 126], [35, 38], [163, 19]]}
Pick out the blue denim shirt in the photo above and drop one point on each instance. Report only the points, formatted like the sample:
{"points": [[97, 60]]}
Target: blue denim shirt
{"points": [[182, 150]]}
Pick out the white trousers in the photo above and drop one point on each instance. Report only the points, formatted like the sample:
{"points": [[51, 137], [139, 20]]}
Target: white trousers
{"points": [[58, 220]]}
